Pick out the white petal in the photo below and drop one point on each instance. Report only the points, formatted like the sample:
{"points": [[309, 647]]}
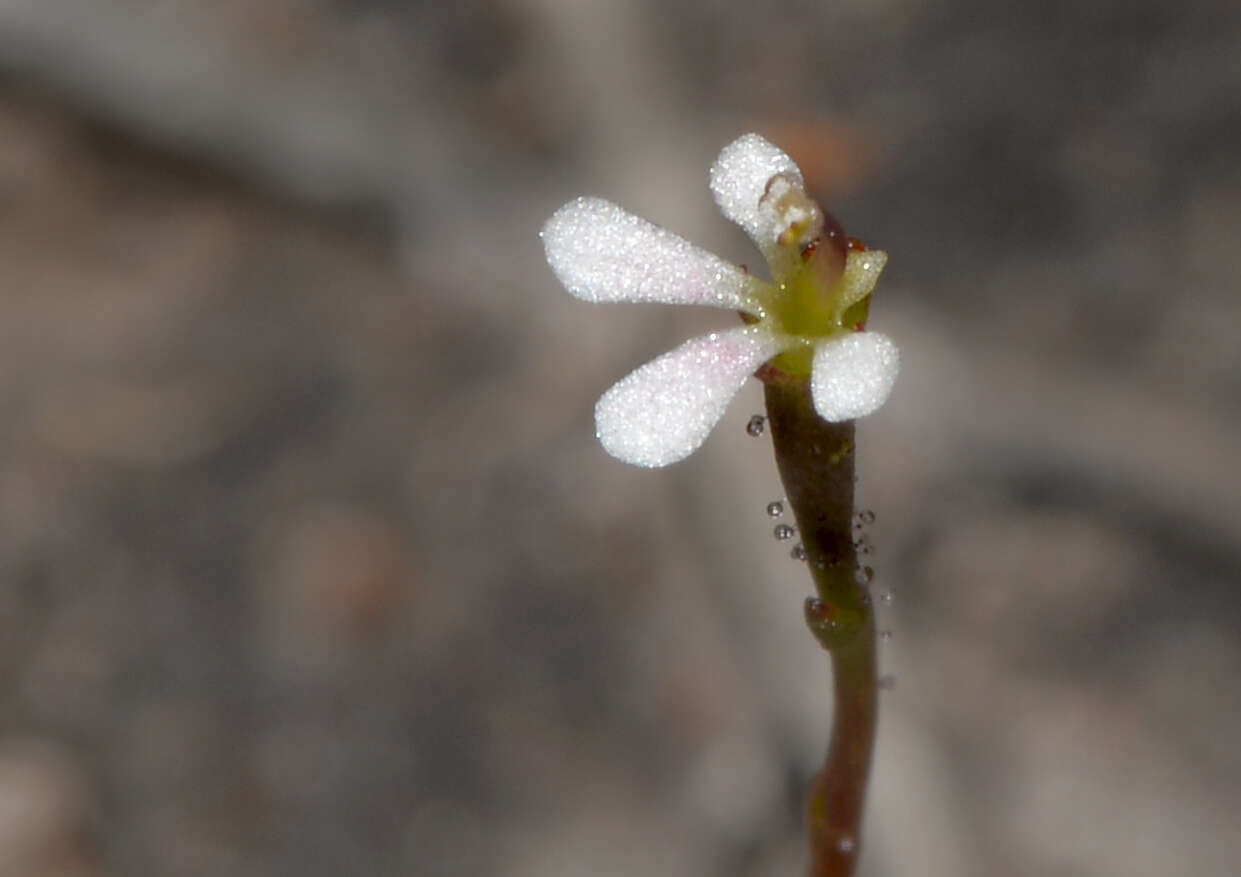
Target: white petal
{"points": [[862, 269], [603, 253], [853, 374], [739, 180], [663, 411]]}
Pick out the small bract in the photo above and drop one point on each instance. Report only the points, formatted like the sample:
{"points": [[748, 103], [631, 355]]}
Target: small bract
{"points": [[806, 322]]}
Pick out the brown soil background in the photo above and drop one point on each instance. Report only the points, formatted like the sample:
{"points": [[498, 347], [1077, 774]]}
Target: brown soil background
{"points": [[310, 564]]}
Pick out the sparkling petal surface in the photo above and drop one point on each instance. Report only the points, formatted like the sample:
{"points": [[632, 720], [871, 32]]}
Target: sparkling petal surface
{"points": [[861, 274], [602, 253], [852, 374], [739, 180], [664, 410]]}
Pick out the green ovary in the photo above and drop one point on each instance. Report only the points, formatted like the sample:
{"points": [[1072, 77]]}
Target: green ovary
{"points": [[804, 307]]}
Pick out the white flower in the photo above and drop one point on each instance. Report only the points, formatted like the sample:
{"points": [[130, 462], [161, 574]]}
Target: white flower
{"points": [[806, 320]]}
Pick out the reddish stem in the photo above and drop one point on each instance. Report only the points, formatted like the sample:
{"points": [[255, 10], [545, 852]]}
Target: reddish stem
{"points": [[815, 459]]}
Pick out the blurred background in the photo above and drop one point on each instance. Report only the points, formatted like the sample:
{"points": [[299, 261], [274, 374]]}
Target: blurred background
{"points": [[310, 563]]}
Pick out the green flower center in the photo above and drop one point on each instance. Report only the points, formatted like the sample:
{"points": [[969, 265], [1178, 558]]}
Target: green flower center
{"points": [[821, 279], [806, 304]]}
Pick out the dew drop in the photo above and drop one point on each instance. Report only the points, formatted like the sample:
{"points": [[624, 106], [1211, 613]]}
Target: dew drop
{"points": [[865, 575], [866, 516], [886, 682], [846, 844], [818, 615], [798, 552], [775, 509], [886, 598], [756, 425], [783, 532]]}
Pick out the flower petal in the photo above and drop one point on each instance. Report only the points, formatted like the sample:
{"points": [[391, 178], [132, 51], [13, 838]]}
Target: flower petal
{"points": [[852, 374], [601, 252], [664, 410], [862, 269], [739, 180]]}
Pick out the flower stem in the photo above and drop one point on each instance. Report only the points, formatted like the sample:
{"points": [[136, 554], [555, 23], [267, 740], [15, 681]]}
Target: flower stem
{"points": [[815, 459]]}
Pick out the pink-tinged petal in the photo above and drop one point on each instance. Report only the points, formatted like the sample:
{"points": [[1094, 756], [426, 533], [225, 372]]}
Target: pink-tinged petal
{"points": [[663, 411], [739, 181], [852, 374], [602, 253]]}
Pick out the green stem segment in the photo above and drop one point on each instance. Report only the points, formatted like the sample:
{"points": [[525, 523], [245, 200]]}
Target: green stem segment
{"points": [[815, 459]]}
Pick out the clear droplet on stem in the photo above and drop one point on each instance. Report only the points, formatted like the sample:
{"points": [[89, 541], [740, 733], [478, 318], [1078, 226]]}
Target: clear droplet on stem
{"points": [[887, 598], [798, 552], [775, 509], [865, 575], [756, 425], [866, 516], [783, 532]]}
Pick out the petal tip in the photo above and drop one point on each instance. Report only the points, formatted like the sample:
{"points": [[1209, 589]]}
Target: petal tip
{"points": [[626, 431], [663, 411], [739, 179], [853, 374], [600, 252]]}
